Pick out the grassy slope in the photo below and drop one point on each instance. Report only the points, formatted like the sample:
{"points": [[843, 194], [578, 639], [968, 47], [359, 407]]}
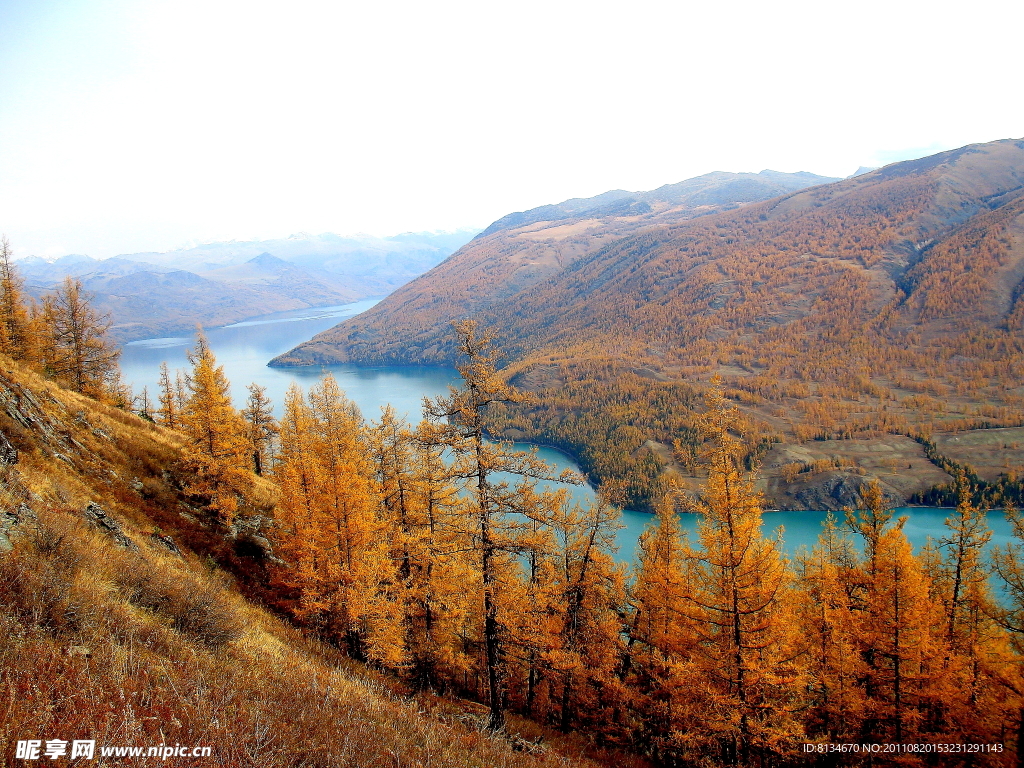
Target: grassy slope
{"points": [[145, 647]]}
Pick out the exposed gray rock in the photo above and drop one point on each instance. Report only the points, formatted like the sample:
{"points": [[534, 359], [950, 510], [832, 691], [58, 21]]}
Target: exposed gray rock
{"points": [[835, 490], [167, 542], [10, 523], [248, 533], [98, 517], [8, 453]]}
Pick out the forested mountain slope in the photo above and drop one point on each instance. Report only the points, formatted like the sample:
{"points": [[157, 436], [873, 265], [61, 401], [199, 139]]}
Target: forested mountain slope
{"points": [[887, 303], [522, 249]]}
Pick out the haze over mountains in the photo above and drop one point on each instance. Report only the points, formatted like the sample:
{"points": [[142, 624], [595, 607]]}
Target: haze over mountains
{"points": [[889, 303], [159, 294]]}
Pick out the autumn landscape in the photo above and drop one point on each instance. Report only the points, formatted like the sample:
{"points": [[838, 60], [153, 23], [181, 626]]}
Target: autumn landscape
{"points": [[183, 569], [558, 385]]}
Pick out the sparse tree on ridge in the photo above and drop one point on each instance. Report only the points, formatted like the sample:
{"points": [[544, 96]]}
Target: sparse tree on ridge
{"points": [[168, 412], [15, 322]]}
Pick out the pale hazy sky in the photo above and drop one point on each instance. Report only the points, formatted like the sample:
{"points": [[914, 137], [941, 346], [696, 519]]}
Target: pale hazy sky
{"points": [[132, 125]]}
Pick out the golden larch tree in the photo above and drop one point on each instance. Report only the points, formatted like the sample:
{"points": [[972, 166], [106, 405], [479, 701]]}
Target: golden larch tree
{"points": [[488, 524], [741, 605], [76, 349], [218, 449]]}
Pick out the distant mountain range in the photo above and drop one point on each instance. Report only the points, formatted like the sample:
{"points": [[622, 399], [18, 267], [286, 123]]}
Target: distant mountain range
{"points": [[159, 294], [890, 304]]}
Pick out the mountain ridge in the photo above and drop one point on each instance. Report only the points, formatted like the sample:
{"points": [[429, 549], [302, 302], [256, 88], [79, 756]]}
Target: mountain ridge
{"points": [[524, 248]]}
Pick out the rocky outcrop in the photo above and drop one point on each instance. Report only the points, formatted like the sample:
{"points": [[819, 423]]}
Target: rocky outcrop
{"points": [[249, 538], [95, 514], [11, 521], [8, 453], [836, 490], [166, 542]]}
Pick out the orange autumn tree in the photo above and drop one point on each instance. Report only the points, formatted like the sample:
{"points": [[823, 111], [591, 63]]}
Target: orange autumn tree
{"points": [[740, 607], [900, 631], [261, 426], [590, 595], [488, 524], [217, 454], [168, 412], [74, 345], [299, 474], [976, 703], [328, 525], [16, 327], [660, 639], [418, 504], [835, 706], [900, 642]]}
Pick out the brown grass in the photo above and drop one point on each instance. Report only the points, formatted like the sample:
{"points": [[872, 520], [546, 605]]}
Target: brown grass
{"points": [[147, 649]]}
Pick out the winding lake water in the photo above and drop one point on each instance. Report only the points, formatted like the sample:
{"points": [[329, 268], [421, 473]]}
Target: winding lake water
{"points": [[244, 349]]}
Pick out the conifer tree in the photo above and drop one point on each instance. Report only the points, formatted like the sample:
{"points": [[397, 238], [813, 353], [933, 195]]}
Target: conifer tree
{"points": [[218, 451], [831, 652], [900, 642], [741, 606], [15, 323], [974, 701], [591, 596], [414, 530], [168, 412], [180, 392], [299, 474], [488, 529], [899, 628], [1009, 565], [964, 573], [143, 405], [330, 532], [357, 564], [78, 352], [392, 456], [438, 604], [262, 427], [661, 640], [535, 626]]}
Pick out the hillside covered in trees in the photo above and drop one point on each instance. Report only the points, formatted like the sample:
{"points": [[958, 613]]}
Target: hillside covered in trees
{"points": [[885, 307], [440, 608], [140, 548], [525, 248]]}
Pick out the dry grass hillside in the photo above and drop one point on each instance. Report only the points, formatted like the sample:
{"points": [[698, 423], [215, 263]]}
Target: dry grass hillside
{"points": [[125, 620], [885, 304]]}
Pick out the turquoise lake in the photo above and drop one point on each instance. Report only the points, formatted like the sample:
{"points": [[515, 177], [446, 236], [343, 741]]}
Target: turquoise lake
{"points": [[244, 349]]}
